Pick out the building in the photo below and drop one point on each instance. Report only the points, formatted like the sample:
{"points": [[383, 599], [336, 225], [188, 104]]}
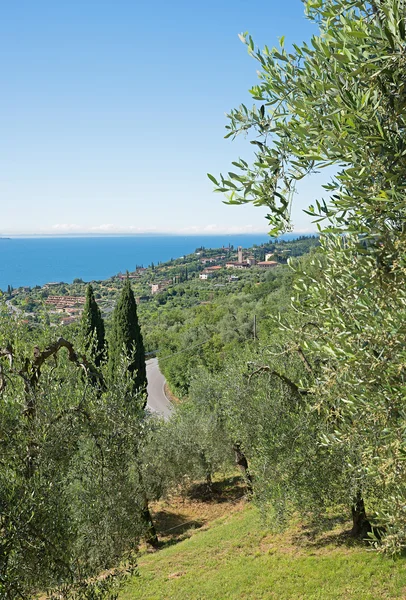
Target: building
{"points": [[269, 255], [209, 272], [213, 269], [236, 265], [160, 286], [267, 264], [65, 301], [239, 254], [157, 287], [68, 320], [129, 276], [205, 261]]}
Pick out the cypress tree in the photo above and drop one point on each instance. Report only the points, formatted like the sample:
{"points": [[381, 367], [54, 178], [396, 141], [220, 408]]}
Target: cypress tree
{"points": [[92, 325], [126, 337]]}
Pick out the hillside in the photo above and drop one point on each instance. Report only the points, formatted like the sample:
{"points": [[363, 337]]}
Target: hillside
{"points": [[236, 557]]}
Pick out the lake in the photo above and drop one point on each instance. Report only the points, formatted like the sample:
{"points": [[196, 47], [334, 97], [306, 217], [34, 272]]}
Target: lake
{"points": [[31, 261]]}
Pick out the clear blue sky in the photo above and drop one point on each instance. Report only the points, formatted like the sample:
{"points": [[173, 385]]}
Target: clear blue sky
{"points": [[112, 112]]}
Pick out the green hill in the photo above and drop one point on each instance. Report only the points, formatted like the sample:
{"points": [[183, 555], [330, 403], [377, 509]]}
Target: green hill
{"points": [[237, 558]]}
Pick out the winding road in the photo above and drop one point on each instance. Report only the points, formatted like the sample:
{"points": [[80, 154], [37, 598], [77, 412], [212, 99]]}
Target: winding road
{"points": [[13, 308], [157, 400]]}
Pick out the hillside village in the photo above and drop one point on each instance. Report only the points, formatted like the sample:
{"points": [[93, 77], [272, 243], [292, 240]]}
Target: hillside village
{"points": [[206, 272]]}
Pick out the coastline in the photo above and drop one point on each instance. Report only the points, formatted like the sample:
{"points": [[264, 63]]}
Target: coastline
{"points": [[36, 260]]}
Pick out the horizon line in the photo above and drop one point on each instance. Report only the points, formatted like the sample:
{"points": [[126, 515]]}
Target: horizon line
{"points": [[154, 234], [146, 232]]}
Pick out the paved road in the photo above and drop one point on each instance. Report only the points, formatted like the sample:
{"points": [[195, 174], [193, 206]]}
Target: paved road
{"points": [[157, 401], [13, 308]]}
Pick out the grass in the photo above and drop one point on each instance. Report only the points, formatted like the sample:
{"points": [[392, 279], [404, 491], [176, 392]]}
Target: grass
{"points": [[235, 557]]}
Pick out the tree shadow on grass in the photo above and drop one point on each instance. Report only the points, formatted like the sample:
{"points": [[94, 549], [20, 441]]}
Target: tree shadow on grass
{"points": [[317, 540], [174, 527], [323, 531], [200, 505], [230, 489]]}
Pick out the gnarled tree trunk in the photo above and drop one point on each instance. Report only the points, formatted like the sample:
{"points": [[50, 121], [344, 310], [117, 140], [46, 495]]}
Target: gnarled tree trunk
{"points": [[242, 463], [360, 524], [151, 537]]}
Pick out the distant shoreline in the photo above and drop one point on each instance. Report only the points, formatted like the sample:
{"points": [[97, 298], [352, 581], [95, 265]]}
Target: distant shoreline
{"points": [[296, 234], [36, 260]]}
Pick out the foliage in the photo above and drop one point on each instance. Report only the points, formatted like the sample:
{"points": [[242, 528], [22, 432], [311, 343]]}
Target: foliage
{"points": [[336, 102], [126, 339], [205, 335], [92, 326], [70, 497], [189, 447], [263, 409], [339, 102], [359, 390]]}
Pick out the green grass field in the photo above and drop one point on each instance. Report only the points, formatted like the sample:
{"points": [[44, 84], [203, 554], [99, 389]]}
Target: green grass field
{"points": [[236, 558]]}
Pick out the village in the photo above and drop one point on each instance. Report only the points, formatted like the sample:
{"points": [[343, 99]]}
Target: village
{"points": [[206, 271]]}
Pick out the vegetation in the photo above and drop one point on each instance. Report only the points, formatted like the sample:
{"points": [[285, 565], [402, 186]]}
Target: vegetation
{"points": [[339, 103], [70, 500], [207, 333], [73, 501], [305, 397], [93, 447], [126, 339], [92, 325]]}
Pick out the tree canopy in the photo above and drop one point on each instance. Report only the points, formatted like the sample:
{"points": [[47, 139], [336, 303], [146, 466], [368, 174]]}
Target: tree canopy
{"points": [[339, 102], [92, 325], [126, 339], [336, 101]]}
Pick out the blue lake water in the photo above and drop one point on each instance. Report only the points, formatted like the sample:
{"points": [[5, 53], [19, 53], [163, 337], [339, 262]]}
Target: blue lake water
{"points": [[38, 260]]}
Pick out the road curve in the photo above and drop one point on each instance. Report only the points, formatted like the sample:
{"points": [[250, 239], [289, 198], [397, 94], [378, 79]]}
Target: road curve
{"points": [[157, 400], [13, 308]]}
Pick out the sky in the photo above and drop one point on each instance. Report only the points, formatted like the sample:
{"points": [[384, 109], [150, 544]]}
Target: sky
{"points": [[112, 112]]}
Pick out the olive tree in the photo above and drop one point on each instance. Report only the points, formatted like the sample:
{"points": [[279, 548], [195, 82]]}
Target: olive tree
{"points": [[70, 498], [338, 102]]}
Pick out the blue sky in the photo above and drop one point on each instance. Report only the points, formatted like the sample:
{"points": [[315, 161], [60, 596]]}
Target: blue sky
{"points": [[112, 112]]}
